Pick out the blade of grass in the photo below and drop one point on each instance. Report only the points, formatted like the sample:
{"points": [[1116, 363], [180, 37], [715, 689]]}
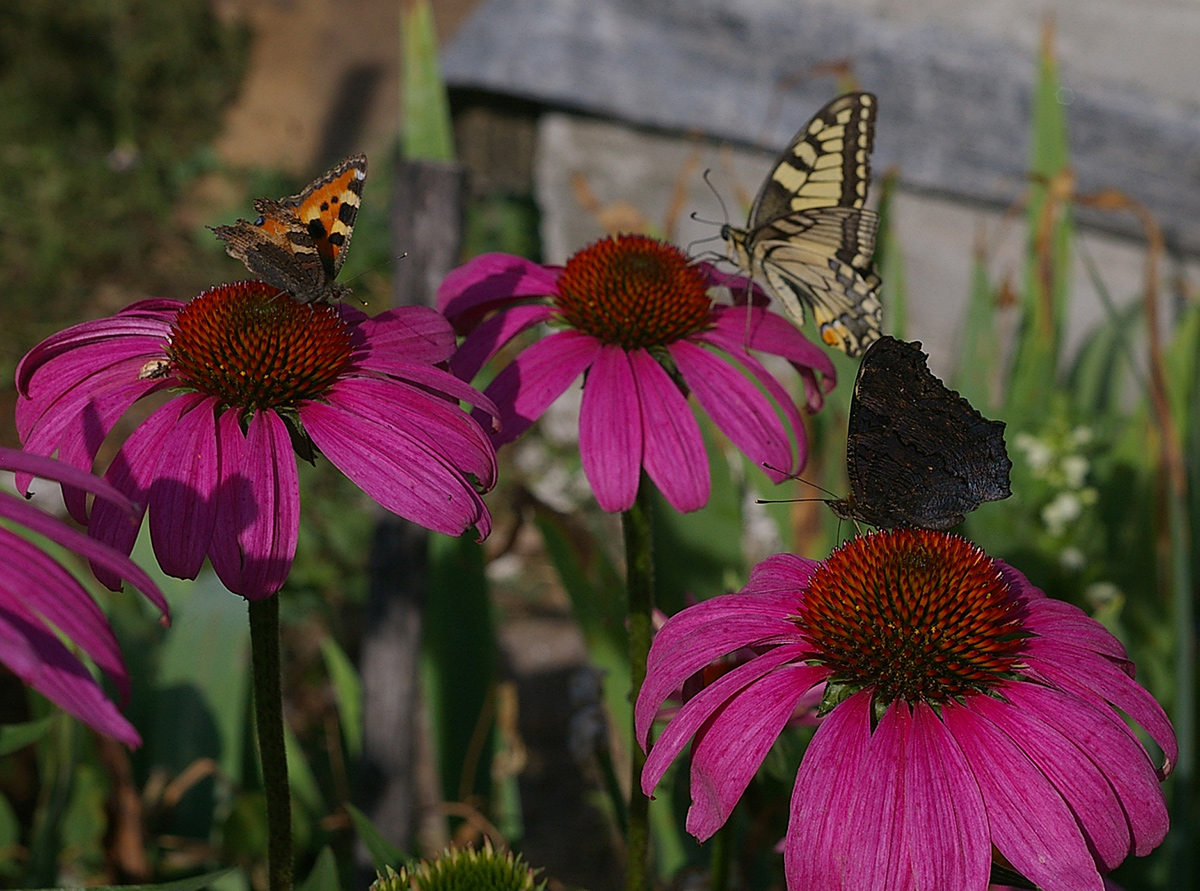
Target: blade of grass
{"points": [[976, 375], [347, 694], [459, 666], [888, 259], [426, 133], [1051, 233]]}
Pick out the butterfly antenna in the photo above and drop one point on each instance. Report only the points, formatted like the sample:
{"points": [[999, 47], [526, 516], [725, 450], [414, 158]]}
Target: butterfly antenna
{"points": [[706, 255], [695, 217], [708, 181], [799, 479], [832, 495]]}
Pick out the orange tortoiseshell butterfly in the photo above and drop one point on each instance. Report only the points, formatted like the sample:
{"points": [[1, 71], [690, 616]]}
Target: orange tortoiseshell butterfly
{"points": [[298, 244]]}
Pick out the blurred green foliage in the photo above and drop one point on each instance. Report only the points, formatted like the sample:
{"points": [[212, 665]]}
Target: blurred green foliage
{"points": [[107, 108]]}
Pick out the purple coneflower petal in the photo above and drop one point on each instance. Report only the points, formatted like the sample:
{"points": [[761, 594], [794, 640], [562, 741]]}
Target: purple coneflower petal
{"points": [[611, 432], [132, 472], [396, 470], [747, 724], [879, 856], [236, 511], [674, 455], [418, 333], [488, 282], [944, 810], [1028, 821], [697, 711], [740, 410], [817, 849], [491, 336], [776, 336], [71, 409], [438, 425], [32, 465], [1079, 671], [40, 660], [782, 574], [43, 588], [702, 634], [433, 381], [1105, 739], [125, 333], [539, 375], [268, 542], [112, 563], [1086, 790], [182, 495]]}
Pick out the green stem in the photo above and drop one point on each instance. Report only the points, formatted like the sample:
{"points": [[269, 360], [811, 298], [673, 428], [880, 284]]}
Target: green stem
{"points": [[268, 717], [640, 581], [1184, 867], [722, 850]]}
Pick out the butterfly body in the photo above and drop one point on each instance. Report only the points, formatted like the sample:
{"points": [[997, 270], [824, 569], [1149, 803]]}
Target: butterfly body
{"points": [[917, 453], [298, 244], [809, 237]]}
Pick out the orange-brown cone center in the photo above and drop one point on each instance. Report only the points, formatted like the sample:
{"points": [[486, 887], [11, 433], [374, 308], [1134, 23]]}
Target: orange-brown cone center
{"points": [[633, 291], [252, 346], [914, 615]]}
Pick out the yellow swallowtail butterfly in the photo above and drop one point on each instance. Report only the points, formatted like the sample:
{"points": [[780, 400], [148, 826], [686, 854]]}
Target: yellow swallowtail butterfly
{"points": [[809, 238]]}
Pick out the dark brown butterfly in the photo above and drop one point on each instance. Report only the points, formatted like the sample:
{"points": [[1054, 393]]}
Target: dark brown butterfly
{"points": [[917, 453]]}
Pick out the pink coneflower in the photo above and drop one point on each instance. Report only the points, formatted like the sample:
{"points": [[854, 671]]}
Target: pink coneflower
{"points": [[635, 316], [248, 375], [40, 600], [965, 710]]}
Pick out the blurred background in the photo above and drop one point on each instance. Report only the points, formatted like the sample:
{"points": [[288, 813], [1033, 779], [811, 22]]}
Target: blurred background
{"points": [[1030, 157]]}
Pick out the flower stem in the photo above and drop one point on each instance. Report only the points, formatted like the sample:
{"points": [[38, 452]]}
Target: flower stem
{"points": [[639, 570], [268, 717], [718, 867]]}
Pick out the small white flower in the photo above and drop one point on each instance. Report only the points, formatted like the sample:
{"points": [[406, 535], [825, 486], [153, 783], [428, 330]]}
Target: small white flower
{"points": [[1038, 454], [1061, 512], [1072, 559], [1075, 469]]}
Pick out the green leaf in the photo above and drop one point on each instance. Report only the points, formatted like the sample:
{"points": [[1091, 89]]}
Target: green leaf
{"points": [[889, 260], [597, 599], [347, 693], [10, 838], [324, 875], [1051, 231], [427, 134], [979, 357], [699, 554], [200, 698], [305, 789], [383, 852], [459, 665], [195, 883], [1100, 370], [84, 821], [18, 736]]}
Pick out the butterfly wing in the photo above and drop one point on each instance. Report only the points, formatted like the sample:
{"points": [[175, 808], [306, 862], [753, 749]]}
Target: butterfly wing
{"points": [[821, 259], [917, 453], [827, 164], [278, 249], [327, 209], [808, 235]]}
